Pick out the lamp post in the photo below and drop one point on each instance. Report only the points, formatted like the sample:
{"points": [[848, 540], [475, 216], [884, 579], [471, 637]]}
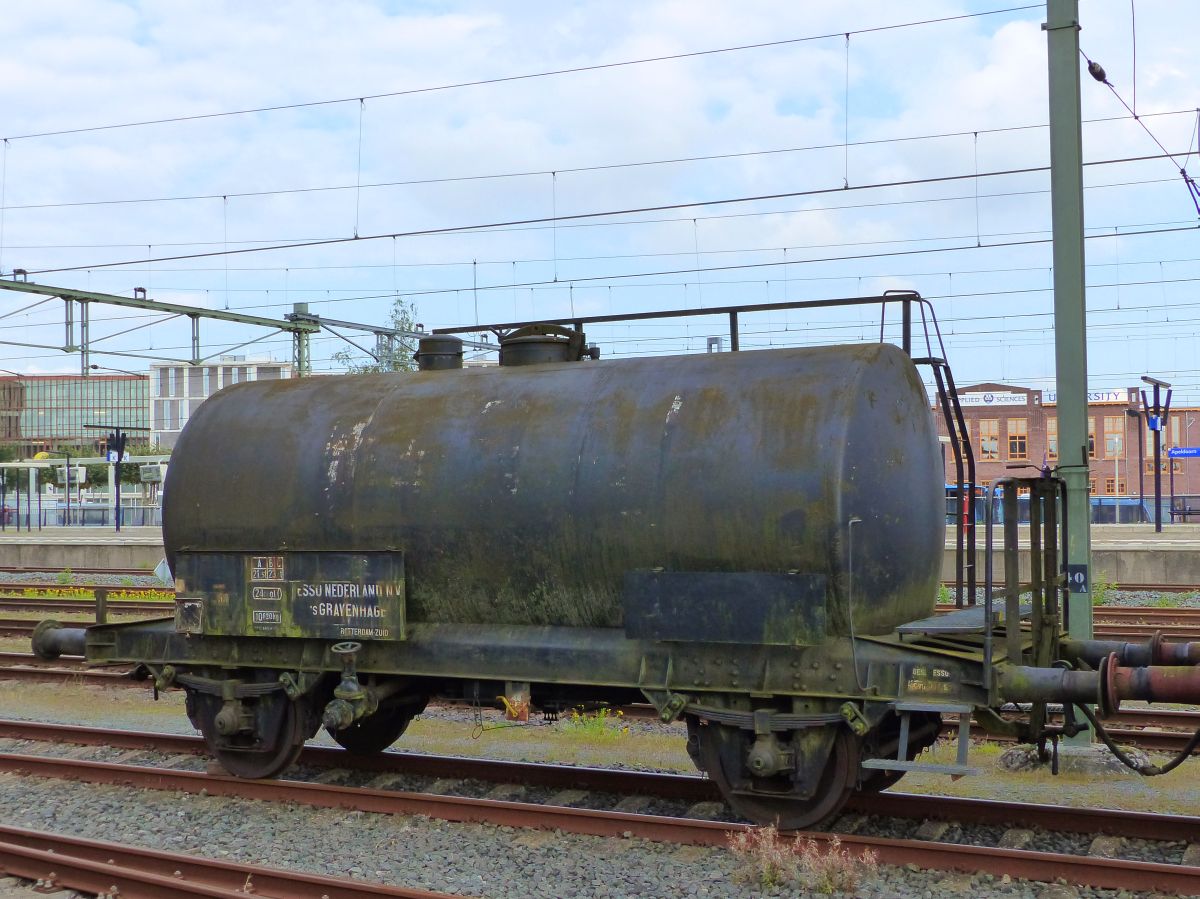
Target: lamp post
{"points": [[116, 440], [1137, 416], [1155, 417], [1187, 441]]}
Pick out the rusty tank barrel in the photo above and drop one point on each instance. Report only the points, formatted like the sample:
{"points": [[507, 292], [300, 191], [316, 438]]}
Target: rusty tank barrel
{"points": [[524, 494], [52, 639]]}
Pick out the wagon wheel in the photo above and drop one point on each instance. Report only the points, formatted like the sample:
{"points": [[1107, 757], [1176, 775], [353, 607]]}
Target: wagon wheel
{"points": [[376, 732], [259, 754], [771, 800]]}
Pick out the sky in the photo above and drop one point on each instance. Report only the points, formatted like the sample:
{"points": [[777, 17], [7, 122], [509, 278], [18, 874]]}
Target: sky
{"points": [[658, 155]]}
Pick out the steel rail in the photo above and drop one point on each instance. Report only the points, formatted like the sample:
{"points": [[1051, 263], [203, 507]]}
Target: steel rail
{"points": [[19, 627], [1138, 825], [72, 676], [28, 659], [59, 860], [32, 569], [53, 607], [23, 590], [1124, 587], [1123, 614], [1127, 624], [1044, 866]]}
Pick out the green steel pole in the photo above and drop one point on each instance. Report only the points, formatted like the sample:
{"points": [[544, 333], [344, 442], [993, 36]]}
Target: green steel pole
{"points": [[1070, 312]]}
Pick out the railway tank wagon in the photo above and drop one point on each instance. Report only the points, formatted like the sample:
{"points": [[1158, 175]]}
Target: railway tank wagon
{"points": [[751, 541]]}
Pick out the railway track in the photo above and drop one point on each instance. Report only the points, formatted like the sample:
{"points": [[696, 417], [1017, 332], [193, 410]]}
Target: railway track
{"points": [[1124, 587], [57, 861], [117, 572], [1127, 630], [665, 826], [52, 607], [46, 592], [1154, 730], [1171, 728]]}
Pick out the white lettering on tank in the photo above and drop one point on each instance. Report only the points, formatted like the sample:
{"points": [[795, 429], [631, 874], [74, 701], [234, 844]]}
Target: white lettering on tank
{"points": [[676, 405]]}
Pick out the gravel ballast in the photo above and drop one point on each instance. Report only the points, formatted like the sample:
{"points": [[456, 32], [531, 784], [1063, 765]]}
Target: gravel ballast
{"points": [[470, 859]]}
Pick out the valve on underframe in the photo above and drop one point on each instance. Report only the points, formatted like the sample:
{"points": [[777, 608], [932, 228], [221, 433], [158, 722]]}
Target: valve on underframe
{"points": [[350, 701]]}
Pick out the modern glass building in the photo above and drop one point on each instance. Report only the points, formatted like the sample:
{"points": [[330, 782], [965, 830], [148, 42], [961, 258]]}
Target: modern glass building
{"points": [[46, 412], [176, 391]]}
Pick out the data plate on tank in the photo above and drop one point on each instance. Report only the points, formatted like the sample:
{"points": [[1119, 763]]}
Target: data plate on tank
{"points": [[331, 595], [725, 607]]}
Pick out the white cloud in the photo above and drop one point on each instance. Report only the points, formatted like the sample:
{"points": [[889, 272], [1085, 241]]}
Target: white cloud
{"points": [[74, 64]]}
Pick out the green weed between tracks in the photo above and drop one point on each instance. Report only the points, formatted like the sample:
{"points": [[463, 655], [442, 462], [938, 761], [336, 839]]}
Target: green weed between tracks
{"points": [[602, 724]]}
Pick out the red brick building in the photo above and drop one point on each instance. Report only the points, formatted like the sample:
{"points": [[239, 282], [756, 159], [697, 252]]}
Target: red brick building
{"points": [[1011, 425]]}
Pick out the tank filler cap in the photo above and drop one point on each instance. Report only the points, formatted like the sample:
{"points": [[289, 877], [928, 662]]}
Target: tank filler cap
{"points": [[543, 343], [439, 352]]}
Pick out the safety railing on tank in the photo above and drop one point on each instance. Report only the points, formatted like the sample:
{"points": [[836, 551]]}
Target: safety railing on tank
{"points": [[965, 580]]}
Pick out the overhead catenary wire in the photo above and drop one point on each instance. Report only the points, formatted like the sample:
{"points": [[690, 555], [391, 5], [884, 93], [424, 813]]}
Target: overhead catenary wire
{"points": [[1098, 73], [951, 320], [562, 170], [513, 284], [502, 79], [574, 225], [1162, 281], [466, 229], [547, 284]]}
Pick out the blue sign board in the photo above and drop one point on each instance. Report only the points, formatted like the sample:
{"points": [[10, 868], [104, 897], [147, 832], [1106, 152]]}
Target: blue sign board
{"points": [[1183, 452], [1154, 423]]}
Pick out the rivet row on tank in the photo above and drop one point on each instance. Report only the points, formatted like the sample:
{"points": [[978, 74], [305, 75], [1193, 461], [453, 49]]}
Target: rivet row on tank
{"points": [[837, 666], [816, 665], [833, 677], [795, 664]]}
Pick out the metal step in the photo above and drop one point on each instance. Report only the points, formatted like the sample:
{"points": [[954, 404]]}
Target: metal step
{"points": [[905, 708]]}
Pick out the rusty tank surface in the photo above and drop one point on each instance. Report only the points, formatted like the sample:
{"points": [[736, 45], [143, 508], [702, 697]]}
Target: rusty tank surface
{"points": [[525, 494]]}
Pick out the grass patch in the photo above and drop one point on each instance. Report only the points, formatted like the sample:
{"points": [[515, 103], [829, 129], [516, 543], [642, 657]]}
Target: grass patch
{"points": [[1102, 589], [601, 725], [80, 617], [165, 596]]}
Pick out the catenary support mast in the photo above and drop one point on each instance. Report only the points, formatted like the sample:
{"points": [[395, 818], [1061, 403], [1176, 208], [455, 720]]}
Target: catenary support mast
{"points": [[1070, 313]]}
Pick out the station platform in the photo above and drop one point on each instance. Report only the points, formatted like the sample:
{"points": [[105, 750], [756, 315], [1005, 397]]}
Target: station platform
{"points": [[1121, 554], [57, 548]]}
